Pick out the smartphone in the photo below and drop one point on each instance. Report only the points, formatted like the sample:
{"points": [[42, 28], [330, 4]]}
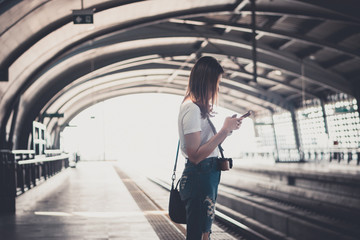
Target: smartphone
{"points": [[246, 115], [243, 116]]}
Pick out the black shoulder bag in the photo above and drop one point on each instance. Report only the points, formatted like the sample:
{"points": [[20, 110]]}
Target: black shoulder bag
{"points": [[177, 210]]}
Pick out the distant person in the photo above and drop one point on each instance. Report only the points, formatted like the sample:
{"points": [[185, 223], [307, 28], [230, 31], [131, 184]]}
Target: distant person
{"points": [[201, 177]]}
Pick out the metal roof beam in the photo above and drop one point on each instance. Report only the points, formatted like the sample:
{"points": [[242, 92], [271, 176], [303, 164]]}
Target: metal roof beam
{"points": [[340, 8], [282, 34]]}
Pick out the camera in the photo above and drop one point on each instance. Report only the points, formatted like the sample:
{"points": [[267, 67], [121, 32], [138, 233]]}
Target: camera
{"points": [[225, 164]]}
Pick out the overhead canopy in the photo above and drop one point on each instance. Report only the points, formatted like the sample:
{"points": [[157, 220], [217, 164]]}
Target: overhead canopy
{"points": [[48, 64]]}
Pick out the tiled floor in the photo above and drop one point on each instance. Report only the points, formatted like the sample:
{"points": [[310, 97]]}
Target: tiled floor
{"points": [[90, 202]]}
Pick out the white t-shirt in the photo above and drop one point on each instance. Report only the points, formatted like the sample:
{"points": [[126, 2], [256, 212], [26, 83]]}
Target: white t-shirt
{"points": [[190, 121]]}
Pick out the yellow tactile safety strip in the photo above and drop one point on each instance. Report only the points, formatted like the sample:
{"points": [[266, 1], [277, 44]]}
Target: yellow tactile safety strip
{"points": [[159, 222]]}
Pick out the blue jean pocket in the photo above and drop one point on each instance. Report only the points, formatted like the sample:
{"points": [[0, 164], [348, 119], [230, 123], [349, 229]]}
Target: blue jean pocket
{"points": [[205, 167], [185, 187]]}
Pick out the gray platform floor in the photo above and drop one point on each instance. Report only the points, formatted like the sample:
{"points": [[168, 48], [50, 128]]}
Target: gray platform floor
{"points": [[87, 202]]}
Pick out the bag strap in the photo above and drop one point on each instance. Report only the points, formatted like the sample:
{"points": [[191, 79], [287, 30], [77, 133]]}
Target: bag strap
{"points": [[173, 177], [214, 131]]}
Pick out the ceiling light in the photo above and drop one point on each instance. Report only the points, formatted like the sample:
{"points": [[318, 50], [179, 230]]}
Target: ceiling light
{"points": [[277, 72], [185, 21]]}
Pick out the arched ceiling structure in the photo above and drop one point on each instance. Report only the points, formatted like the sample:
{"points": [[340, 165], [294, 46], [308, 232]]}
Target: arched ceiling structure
{"points": [[304, 50]]}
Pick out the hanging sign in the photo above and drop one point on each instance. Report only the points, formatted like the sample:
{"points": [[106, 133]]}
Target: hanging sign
{"points": [[83, 16]]}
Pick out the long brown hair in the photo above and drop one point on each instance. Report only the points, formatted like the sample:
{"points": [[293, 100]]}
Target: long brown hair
{"points": [[203, 84]]}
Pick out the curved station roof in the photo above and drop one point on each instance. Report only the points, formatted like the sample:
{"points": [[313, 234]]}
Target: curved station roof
{"points": [[275, 53]]}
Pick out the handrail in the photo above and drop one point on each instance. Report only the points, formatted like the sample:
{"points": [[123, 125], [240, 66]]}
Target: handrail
{"points": [[333, 149], [53, 151], [25, 151], [5, 151], [24, 169], [43, 159]]}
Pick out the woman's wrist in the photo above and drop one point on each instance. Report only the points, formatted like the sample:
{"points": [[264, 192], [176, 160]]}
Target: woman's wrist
{"points": [[224, 132]]}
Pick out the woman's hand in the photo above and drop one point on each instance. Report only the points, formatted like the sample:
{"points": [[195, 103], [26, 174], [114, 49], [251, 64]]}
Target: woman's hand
{"points": [[231, 124], [196, 152]]}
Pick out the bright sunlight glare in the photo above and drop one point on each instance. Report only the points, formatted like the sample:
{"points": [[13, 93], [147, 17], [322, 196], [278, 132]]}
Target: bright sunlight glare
{"points": [[141, 129]]}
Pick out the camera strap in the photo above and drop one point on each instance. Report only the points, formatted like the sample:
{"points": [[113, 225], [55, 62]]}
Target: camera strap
{"points": [[214, 131]]}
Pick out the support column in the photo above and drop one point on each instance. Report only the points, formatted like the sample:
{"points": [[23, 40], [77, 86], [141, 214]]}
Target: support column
{"points": [[277, 159], [56, 140], [324, 117], [4, 74], [253, 27], [13, 125], [296, 135], [356, 88], [7, 182]]}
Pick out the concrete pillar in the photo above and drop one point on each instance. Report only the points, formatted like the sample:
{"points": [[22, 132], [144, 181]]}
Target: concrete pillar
{"points": [[296, 134], [356, 94], [253, 27], [324, 117], [13, 125], [7, 183], [4, 77], [56, 140], [4, 74], [277, 159]]}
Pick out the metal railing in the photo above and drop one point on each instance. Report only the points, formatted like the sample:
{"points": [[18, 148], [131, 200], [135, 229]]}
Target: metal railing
{"points": [[21, 170], [340, 155]]}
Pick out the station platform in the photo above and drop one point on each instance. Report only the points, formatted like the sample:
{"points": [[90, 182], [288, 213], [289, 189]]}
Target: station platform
{"points": [[338, 184], [97, 200], [316, 167], [87, 202]]}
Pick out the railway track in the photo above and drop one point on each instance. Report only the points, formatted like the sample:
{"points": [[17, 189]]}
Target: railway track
{"points": [[250, 214], [152, 195], [295, 211], [279, 219], [255, 216], [231, 226]]}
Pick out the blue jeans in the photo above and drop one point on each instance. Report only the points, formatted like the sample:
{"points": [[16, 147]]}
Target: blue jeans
{"points": [[198, 189]]}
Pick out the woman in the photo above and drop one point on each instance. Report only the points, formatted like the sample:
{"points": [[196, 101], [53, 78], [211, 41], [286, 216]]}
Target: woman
{"points": [[199, 145]]}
